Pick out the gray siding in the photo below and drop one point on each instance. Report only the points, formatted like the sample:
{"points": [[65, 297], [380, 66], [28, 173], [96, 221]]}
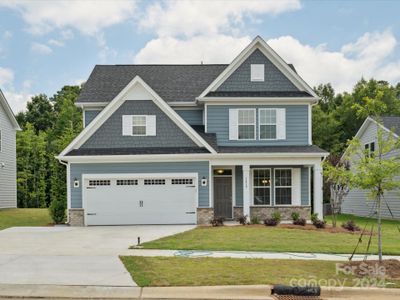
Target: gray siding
{"points": [[202, 168], [357, 201], [109, 135], [8, 188], [274, 79], [90, 115], [296, 125], [305, 186], [192, 116]]}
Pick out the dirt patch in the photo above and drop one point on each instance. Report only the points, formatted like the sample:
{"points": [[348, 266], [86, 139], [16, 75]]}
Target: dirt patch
{"points": [[389, 268]]}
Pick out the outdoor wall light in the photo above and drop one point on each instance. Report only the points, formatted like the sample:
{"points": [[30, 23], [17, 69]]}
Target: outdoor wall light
{"points": [[220, 171], [204, 181], [76, 182], [2, 165]]}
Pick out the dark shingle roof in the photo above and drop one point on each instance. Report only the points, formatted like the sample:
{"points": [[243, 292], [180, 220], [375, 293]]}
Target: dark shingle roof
{"points": [[135, 151], [258, 94], [173, 83], [272, 149], [392, 123], [210, 138]]}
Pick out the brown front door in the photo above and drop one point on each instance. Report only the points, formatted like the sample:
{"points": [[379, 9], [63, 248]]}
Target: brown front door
{"points": [[223, 197]]}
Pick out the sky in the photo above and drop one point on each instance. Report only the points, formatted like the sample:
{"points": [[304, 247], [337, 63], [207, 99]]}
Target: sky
{"points": [[45, 45]]}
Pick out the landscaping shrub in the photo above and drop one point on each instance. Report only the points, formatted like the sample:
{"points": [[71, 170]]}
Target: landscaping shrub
{"points": [[217, 221], [314, 217], [295, 216], [276, 215], [270, 222], [57, 211], [300, 221], [319, 223], [350, 225], [255, 220], [242, 220]]}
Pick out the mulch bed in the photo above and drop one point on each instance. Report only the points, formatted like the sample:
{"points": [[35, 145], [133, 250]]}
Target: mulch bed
{"points": [[388, 268]]}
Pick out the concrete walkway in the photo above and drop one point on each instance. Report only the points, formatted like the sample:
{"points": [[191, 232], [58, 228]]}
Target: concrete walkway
{"points": [[250, 254]]}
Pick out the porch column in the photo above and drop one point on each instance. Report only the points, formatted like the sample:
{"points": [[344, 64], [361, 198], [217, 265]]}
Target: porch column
{"points": [[318, 195], [246, 190]]}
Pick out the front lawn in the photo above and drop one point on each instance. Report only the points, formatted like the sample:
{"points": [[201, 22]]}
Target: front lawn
{"points": [[12, 217], [262, 238], [178, 271]]}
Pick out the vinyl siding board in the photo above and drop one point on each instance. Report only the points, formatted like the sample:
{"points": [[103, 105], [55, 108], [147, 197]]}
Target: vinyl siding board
{"points": [[109, 135], [8, 188], [201, 168], [90, 115], [192, 116], [296, 125], [357, 201], [274, 79], [305, 186]]}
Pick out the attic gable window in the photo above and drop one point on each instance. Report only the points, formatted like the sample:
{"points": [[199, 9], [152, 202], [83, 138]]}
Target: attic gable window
{"points": [[139, 125], [369, 149], [257, 72]]}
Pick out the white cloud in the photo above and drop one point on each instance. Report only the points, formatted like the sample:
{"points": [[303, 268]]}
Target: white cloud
{"points": [[6, 76], [40, 48], [188, 18], [54, 42], [88, 16], [7, 34], [17, 100], [206, 49], [366, 57]]}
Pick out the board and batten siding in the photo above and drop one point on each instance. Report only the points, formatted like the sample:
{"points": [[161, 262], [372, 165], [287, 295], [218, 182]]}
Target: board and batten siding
{"points": [[8, 174], [304, 188], [296, 125], [90, 115], [357, 201], [201, 168], [191, 116]]}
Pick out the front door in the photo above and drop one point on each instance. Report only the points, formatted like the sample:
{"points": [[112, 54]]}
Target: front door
{"points": [[223, 196]]}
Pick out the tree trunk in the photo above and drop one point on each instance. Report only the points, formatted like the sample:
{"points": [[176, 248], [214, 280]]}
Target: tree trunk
{"points": [[379, 229]]}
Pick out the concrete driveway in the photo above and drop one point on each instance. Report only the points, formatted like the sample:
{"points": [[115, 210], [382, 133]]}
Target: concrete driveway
{"points": [[72, 255]]}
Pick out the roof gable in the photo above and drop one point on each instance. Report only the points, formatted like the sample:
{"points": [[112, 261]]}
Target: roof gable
{"points": [[9, 113], [259, 46], [135, 90]]}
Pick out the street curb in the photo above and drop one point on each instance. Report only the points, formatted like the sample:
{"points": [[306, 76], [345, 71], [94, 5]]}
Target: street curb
{"points": [[241, 292]]}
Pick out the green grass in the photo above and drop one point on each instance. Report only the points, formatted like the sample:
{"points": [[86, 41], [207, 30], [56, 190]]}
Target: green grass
{"points": [[262, 238], [178, 271], [12, 217]]}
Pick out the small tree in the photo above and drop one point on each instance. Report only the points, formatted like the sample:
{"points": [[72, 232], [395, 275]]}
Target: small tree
{"points": [[338, 176], [376, 171]]}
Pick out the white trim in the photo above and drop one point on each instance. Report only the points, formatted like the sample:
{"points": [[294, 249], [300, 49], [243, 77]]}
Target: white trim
{"points": [[183, 108], [210, 186], [91, 104], [205, 116], [68, 186], [309, 125], [309, 186], [254, 110], [117, 102], [281, 186], [9, 112], [252, 188], [186, 103], [259, 43], [257, 100], [85, 177], [83, 118], [259, 124]]}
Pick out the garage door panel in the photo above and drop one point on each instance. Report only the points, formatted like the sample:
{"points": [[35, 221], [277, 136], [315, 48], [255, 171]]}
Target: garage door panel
{"points": [[140, 201]]}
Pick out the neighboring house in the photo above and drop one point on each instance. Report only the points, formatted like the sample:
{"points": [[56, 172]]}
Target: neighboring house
{"points": [[8, 164], [357, 202], [175, 144]]}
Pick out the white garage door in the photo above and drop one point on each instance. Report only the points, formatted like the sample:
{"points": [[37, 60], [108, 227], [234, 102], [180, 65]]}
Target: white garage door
{"points": [[122, 199]]}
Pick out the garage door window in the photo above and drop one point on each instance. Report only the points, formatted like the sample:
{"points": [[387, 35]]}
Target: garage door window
{"points": [[182, 181], [99, 182], [154, 181], [127, 182]]}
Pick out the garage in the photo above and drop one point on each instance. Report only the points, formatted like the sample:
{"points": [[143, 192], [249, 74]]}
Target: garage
{"points": [[131, 199]]}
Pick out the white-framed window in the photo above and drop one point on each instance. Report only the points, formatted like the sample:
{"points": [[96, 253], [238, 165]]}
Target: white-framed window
{"points": [[283, 186], [246, 127], [257, 72], [139, 125], [369, 149], [267, 124], [262, 186]]}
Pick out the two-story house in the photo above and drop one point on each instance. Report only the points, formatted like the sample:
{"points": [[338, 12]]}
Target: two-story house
{"points": [[180, 144], [8, 164]]}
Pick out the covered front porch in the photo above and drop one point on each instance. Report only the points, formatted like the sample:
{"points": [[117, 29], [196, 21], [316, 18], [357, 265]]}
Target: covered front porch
{"points": [[259, 188]]}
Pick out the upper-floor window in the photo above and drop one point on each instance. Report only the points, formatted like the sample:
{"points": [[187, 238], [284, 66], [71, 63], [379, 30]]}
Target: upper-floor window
{"points": [[369, 149], [267, 124], [246, 124], [139, 125], [257, 72]]}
